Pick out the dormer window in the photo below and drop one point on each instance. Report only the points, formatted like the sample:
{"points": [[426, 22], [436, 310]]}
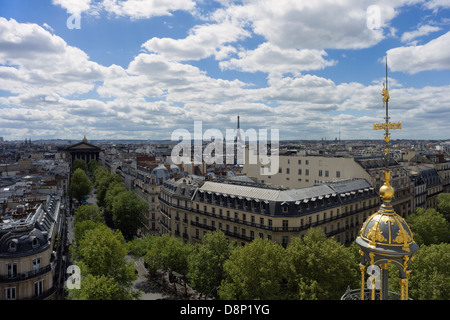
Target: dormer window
{"points": [[13, 245], [35, 242]]}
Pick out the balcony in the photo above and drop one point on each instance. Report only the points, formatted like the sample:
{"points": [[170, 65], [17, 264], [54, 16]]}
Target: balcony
{"points": [[27, 275]]}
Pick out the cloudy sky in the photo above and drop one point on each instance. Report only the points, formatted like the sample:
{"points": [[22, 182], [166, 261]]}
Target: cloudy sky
{"points": [[124, 69]]}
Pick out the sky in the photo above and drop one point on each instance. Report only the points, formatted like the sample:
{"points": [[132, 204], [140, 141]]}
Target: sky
{"points": [[141, 69]]}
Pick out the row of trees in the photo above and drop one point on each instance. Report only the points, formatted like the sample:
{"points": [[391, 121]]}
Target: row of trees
{"points": [[312, 267], [125, 208], [100, 253]]}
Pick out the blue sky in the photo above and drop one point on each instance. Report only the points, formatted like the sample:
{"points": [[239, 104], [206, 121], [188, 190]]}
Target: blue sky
{"points": [[144, 68]]}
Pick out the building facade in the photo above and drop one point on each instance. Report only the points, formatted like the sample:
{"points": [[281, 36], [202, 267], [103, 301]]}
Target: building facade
{"points": [[27, 251], [84, 151], [244, 212]]}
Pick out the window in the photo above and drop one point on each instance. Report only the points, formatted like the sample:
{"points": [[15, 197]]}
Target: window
{"points": [[299, 161], [307, 172], [338, 174], [299, 171], [327, 173], [285, 224], [287, 170], [261, 221], [320, 173], [10, 293], [307, 162], [12, 270], [12, 245], [36, 265], [38, 288]]}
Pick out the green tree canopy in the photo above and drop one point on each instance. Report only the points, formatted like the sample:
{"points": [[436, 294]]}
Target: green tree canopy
{"points": [[114, 188], [92, 166], [205, 263], [428, 226], [168, 254], [443, 205], [80, 185], [103, 186], [101, 288], [255, 271], [322, 267], [139, 247], [102, 252], [88, 212], [99, 173], [79, 163], [128, 212], [430, 276]]}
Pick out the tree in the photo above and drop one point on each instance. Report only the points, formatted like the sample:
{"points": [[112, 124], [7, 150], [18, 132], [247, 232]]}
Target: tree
{"points": [[255, 271], [80, 185], [88, 212], [428, 226], [103, 184], [98, 174], [430, 276], [92, 166], [322, 267], [443, 205], [114, 188], [168, 254], [205, 263], [102, 252], [128, 212], [79, 163], [101, 288], [139, 247]]}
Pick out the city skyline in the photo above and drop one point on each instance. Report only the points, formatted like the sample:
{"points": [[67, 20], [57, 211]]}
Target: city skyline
{"points": [[142, 69]]}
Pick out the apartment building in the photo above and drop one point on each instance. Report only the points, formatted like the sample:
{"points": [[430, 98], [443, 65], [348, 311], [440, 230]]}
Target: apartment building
{"points": [[299, 171], [27, 256], [244, 211], [147, 185]]}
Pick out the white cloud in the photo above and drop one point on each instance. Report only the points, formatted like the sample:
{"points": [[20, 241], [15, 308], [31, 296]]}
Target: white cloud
{"points": [[135, 9], [325, 24], [271, 59], [436, 4], [139, 9], [421, 31], [202, 42], [434, 55], [74, 6], [32, 59]]}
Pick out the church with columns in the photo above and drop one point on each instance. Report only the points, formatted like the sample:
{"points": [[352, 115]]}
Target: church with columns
{"points": [[84, 151]]}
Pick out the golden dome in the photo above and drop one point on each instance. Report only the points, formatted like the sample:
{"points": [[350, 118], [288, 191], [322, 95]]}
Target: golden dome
{"points": [[388, 230]]}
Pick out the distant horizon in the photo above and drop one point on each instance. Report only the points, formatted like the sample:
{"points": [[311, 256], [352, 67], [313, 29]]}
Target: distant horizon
{"points": [[168, 140]]}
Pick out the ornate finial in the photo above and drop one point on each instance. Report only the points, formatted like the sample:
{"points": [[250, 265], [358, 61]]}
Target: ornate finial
{"points": [[385, 95], [84, 139]]}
